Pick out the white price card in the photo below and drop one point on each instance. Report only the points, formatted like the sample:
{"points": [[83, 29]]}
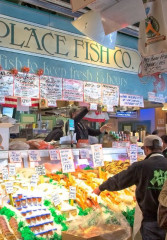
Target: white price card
{"points": [[93, 106], [40, 170], [54, 155], [133, 153], [34, 180], [12, 170], [97, 154], [26, 102], [9, 187], [56, 199], [34, 155], [5, 174], [15, 156], [72, 193], [67, 162]]}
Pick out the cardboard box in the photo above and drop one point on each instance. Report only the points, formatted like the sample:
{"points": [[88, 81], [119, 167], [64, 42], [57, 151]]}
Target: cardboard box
{"points": [[113, 234], [4, 135]]}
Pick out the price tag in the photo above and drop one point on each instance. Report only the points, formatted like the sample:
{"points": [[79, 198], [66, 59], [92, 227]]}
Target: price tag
{"points": [[54, 155], [97, 153], [133, 153], [83, 161], [67, 161], [72, 194], [56, 199], [12, 170], [34, 180], [2, 100], [5, 174], [9, 187], [15, 156], [34, 155], [40, 170], [93, 106], [26, 101]]}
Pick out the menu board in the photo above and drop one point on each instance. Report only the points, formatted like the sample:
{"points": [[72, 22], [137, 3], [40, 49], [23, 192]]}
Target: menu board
{"points": [[15, 156], [26, 85], [131, 100], [97, 153], [72, 193], [92, 92], [66, 157], [110, 95], [72, 90], [51, 89], [6, 83], [54, 155]]}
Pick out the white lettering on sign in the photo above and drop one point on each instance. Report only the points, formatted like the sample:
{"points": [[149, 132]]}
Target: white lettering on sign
{"points": [[54, 155], [15, 156], [12, 170], [97, 154], [34, 180], [66, 157], [34, 155], [9, 187], [26, 101], [72, 193], [133, 153], [40, 170], [56, 199], [5, 174], [131, 100]]}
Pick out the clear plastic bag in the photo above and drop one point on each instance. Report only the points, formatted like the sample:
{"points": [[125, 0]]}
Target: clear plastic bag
{"points": [[102, 223]]}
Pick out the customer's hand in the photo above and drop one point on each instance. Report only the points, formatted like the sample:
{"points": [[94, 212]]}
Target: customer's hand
{"points": [[107, 127], [97, 191]]}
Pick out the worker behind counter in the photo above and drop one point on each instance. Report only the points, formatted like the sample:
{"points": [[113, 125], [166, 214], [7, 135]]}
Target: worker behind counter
{"points": [[56, 133], [82, 131]]}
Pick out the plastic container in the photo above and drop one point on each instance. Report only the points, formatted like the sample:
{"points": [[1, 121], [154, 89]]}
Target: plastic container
{"points": [[24, 202], [18, 203]]}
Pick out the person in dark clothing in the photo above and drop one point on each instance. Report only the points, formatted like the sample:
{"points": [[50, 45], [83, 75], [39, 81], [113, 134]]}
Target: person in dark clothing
{"points": [[82, 131], [164, 140], [148, 176], [56, 133]]}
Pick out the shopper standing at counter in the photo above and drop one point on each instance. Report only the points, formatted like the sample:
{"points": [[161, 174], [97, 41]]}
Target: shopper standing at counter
{"points": [[82, 131], [145, 175]]}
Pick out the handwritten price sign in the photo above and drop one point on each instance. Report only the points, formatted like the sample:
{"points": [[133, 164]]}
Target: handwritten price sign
{"points": [[34, 156], [72, 193], [54, 155], [9, 187], [15, 156], [97, 153], [56, 199], [66, 157], [5, 174], [12, 170]]}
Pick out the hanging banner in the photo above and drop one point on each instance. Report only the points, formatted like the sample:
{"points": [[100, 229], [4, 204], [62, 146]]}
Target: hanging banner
{"points": [[153, 30], [131, 100], [51, 89], [54, 155], [26, 102], [92, 92], [66, 157], [26, 85], [97, 153], [6, 83], [110, 95], [72, 90], [15, 156]]}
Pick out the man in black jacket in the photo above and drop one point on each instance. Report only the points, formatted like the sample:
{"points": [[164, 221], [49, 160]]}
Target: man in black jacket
{"points": [[56, 133], [148, 176], [82, 131]]}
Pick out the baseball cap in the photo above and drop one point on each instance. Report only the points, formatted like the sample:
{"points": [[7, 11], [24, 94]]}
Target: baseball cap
{"points": [[59, 123], [152, 141]]}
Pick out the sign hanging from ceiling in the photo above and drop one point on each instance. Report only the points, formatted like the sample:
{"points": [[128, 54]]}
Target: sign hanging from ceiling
{"points": [[78, 4]]}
